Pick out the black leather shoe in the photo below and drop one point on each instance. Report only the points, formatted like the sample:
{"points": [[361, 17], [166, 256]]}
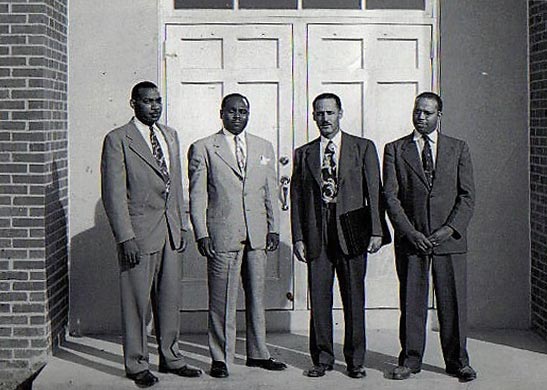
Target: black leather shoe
{"points": [[403, 372], [357, 372], [464, 374], [144, 378], [318, 370], [219, 370], [186, 370], [267, 364]]}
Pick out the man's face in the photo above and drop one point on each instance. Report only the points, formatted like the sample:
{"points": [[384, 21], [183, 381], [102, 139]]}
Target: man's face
{"points": [[147, 105], [235, 115], [327, 115], [425, 116]]}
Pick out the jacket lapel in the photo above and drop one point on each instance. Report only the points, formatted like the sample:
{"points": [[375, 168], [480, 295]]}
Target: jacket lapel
{"points": [[346, 150], [222, 149], [253, 154], [139, 146], [445, 153], [410, 155], [171, 146], [313, 160]]}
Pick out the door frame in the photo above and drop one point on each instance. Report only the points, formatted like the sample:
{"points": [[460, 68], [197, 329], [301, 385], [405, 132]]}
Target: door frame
{"points": [[297, 318]]}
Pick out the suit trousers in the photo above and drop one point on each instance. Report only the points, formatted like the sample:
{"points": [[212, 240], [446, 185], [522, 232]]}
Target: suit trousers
{"points": [[155, 279], [223, 273], [351, 279], [449, 282]]}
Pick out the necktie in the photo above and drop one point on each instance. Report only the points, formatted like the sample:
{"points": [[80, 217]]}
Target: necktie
{"points": [[160, 158], [329, 188], [427, 160], [240, 154]]}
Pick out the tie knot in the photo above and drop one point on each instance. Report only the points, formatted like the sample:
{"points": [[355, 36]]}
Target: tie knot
{"points": [[331, 147], [426, 138]]}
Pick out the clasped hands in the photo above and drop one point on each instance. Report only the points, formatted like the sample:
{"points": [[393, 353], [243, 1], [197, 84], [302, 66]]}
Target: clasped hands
{"points": [[299, 248], [206, 248], [426, 244]]}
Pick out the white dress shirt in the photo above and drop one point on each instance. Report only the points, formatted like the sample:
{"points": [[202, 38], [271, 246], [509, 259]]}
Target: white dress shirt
{"points": [[145, 132], [232, 144], [419, 141]]}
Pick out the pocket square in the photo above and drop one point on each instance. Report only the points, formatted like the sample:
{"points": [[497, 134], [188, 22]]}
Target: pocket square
{"points": [[264, 160]]}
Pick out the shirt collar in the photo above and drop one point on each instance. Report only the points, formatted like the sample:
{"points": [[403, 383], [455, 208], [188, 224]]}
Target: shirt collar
{"points": [[433, 136], [337, 139], [241, 135], [143, 127]]}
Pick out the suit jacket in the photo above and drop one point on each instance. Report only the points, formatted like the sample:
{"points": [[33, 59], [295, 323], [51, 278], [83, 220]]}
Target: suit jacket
{"points": [[225, 205], [358, 185], [133, 189], [412, 205]]}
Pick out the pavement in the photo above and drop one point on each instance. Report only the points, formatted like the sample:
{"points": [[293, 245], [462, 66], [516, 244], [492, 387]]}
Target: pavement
{"points": [[504, 360]]}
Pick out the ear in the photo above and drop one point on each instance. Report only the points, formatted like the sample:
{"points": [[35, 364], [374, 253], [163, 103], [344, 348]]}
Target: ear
{"points": [[132, 103], [220, 114], [341, 114]]}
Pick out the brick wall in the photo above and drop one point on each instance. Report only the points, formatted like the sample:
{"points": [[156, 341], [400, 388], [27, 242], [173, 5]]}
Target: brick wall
{"points": [[538, 161], [33, 182]]}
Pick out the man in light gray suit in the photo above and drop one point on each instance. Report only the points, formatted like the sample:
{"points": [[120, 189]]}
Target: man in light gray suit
{"points": [[142, 196], [234, 213]]}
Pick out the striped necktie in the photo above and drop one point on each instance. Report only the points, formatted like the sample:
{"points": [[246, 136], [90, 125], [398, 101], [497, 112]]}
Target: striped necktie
{"points": [[159, 157], [240, 154]]}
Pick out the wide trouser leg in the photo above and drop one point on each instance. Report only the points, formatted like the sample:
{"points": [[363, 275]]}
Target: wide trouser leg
{"points": [[253, 275], [449, 280], [351, 279], [166, 295], [413, 273], [223, 272], [135, 287], [320, 282]]}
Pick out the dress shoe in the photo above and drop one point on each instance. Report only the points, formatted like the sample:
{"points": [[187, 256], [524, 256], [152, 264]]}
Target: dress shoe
{"points": [[219, 370], [186, 370], [144, 378], [464, 374], [403, 372], [357, 372], [267, 364], [318, 370]]}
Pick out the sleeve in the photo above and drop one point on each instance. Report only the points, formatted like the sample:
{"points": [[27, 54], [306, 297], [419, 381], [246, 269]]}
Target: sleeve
{"points": [[297, 210], [114, 188], [462, 211], [371, 171], [197, 175]]}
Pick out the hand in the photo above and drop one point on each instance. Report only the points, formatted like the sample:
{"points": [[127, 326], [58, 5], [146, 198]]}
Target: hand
{"points": [[375, 244], [130, 252], [420, 242], [441, 235], [205, 247], [300, 251], [272, 241], [183, 243]]}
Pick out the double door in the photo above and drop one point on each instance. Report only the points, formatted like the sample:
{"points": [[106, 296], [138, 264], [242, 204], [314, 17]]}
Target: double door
{"points": [[376, 69]]}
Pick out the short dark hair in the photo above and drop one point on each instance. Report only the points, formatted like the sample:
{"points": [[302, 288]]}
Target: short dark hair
{"points": [[135, 92], [231, 96], [432, 96], [328, 95]]}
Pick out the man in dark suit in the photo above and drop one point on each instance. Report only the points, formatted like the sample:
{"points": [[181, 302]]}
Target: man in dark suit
{"points": [[142, 196], [233, 208], [334, 175], [429, 190]]}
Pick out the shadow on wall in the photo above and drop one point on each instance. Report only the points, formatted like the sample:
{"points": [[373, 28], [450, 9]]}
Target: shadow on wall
{"points": [[56, 269], [94, 280]]}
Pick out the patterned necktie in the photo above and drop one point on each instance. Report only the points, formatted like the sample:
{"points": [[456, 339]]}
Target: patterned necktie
{"points": [[427, 160], [329, 188], [160, 158], [240, 154]]}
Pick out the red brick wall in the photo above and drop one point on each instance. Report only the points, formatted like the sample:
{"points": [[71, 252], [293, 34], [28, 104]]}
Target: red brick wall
{"points": [[33, 182], [538, 161]]}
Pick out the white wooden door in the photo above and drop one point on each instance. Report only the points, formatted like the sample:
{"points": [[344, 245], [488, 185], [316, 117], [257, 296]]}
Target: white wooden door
{"points": [[204, 62], [377, 70]]}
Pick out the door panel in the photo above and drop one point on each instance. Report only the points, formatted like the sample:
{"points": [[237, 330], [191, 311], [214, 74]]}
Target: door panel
{"points": [[377, 70], [204, 63]]}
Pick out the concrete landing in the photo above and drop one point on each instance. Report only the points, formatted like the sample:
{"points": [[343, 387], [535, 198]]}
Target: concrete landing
{"points": [[505, 360]]}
